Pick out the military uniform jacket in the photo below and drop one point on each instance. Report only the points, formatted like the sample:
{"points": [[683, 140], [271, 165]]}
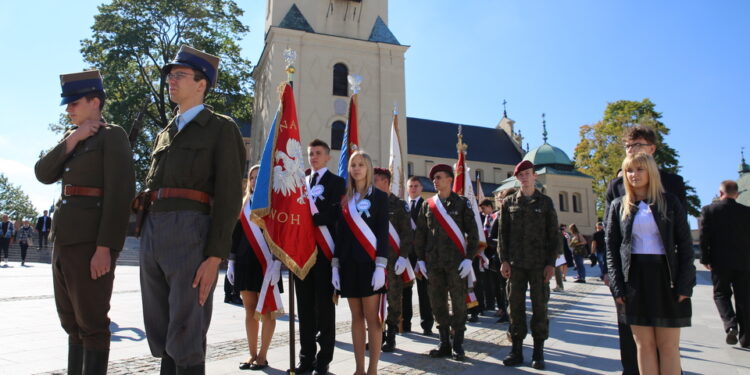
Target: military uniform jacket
{"points": [[103, 160], [529, 236], [207, 155], [432, 243], [401, 221]]}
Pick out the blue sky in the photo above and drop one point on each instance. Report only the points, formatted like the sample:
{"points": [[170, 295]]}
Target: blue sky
{"points": [[567, 59]]}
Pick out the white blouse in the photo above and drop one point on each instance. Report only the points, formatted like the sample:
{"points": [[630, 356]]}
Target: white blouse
{"points": [[646, 237]]}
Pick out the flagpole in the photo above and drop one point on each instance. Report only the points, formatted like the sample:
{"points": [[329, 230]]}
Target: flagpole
{"points": [[289, 56]]}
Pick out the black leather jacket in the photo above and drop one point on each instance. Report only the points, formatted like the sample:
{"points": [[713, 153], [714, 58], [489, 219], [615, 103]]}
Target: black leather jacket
{"points": [[675, 235]]}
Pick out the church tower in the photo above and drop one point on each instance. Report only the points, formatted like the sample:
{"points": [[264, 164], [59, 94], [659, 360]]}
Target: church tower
{"points": [[332, 38]]}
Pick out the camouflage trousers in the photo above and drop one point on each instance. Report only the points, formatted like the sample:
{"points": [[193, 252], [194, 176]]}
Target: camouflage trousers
{"points": [[395, 291], [444, 281], [519, 280]]}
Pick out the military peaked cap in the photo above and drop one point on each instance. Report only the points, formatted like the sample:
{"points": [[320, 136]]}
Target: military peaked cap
{"points": [[76, 85], [198, 60]]}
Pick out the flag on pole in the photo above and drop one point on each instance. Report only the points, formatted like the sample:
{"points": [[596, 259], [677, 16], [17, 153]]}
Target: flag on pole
{"points": [[480, 191], [350, 143], [395, 163], [280, 204]]}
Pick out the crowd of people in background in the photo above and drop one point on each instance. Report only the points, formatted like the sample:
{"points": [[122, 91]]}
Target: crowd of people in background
{"points": [[22, 233]]}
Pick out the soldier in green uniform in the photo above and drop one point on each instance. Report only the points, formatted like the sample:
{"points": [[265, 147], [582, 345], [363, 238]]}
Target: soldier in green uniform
{"points": [[95, 165], [529, 245], [397, 261], [446, 241], [195, 186]]}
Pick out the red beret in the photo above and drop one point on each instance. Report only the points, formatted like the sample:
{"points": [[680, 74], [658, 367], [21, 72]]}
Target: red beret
{"points": [[441, 168], [382, 172], [522, 166]]}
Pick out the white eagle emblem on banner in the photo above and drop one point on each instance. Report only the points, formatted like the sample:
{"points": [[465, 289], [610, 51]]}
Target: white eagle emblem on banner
{"points": [[291, 177]]}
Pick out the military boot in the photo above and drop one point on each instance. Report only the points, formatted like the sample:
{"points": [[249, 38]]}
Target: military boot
{"points": [[192, 370], [95, 362], [515, 357], [537, 358], [389, 341], [168, 367], [444, 348], [75, 359], [458, 346]]}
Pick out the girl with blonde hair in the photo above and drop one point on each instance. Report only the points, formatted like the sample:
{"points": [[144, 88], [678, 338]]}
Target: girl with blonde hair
{"points": [[650, 261], [358, 266]]}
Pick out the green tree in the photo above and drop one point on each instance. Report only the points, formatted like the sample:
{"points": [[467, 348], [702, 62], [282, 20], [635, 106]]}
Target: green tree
{"points": [[600, 151], [14, 202], [132, 39]]}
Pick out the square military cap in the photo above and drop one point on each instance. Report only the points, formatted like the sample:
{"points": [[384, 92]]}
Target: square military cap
{"points": [[198, 60], [78, 85]]}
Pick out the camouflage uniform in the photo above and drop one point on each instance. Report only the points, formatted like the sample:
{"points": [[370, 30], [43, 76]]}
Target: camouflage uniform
{"points": [[529, 241], [401, 221], [442, 258]]}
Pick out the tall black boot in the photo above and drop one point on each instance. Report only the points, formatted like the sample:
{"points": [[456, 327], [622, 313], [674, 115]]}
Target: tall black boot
{"points": [[168, 366], [537, 358], [192, 370], [458, 346], [389, 340], [95, 362], [515, 357], [75, 359], [444, 348]]}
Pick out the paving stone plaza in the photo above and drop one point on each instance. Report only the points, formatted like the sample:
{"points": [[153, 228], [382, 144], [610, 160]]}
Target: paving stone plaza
{"points": [[583, 334]]}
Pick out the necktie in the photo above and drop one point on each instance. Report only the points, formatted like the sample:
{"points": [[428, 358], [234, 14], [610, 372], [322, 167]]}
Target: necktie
{"points": [[413, 204], [314, 179]]}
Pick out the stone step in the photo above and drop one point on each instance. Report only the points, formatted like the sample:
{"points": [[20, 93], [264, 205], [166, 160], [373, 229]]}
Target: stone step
{"points": [[129, 256]]}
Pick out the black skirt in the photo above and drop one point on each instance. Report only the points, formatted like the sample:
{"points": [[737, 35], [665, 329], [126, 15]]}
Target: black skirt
{"points": [[248, 274], [650, 300], [356, 279]]}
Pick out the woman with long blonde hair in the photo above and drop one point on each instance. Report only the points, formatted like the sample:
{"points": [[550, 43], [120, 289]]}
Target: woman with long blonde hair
{"points": [[358, 266], [246, 273], [650, 261]]}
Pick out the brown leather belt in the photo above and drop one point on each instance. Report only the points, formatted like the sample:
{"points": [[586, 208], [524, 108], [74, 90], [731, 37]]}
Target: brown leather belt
{"points": [[70, 190], [194, 195]]}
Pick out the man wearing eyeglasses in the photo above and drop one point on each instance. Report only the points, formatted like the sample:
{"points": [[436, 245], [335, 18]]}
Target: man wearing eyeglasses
{"points": [[639, 139], [195, 189]]}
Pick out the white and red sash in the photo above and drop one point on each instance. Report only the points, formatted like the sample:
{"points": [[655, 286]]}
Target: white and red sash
{"points": [[449, 225], [360, 229], [395, 241], [457, 236], [269, 300], [322, 235]]}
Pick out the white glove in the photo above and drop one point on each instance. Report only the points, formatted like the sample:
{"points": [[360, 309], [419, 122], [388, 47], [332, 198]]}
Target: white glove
{"points": [[400, 265], [484, 262], [464, 269], [378, 278], [422, 268], [275, 272], [230, 272], [335, 279]]}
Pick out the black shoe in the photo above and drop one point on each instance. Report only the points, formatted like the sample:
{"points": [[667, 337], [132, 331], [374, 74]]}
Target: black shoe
{"points": [[503, 317], [515, 357], [444, 348], [486, 313], [320, 370], [389, 340], [732, 336], [581, 281], [75, 359], [227, 299], [427, 332], [302, 368], [245, 365], [537, 358], [95, 362], [168, 367], [406, 328], [473, 318], [458, 346], [258, 366]]}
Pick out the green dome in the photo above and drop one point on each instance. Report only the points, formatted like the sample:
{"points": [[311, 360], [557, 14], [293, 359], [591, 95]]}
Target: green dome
{"points": [[548, 155]]}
